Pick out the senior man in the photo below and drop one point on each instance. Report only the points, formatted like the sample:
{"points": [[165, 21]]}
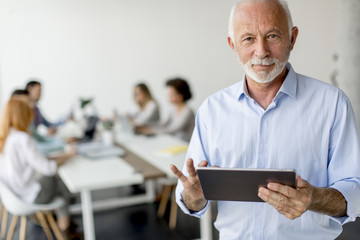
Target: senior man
{"points": [[275, 118]]}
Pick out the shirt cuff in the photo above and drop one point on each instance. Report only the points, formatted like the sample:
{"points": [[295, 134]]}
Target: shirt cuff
{"points": [[183, 207], [351, 192]]}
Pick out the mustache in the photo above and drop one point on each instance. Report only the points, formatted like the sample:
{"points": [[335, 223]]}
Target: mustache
{"points": [[265, 61]]}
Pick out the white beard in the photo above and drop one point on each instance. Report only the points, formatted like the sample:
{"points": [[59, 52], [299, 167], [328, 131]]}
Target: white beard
{"points": [[262, 76]]}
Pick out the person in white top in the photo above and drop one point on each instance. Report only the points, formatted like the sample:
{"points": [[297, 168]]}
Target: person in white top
{"points": [[181, 120], [25, 170], [148, 112]]}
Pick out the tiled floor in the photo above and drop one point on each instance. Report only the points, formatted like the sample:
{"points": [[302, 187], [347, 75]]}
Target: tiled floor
{"points": [[141, 223]]}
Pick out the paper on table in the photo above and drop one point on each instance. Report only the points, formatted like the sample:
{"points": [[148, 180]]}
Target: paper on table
{"points": [[173, 150]]}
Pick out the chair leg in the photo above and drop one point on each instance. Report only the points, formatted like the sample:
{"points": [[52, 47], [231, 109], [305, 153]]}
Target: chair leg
{"points": [[23, 228], [54, 226], [164, 199], [12, 227], [44, 225], [4, 224], [173, 210]]}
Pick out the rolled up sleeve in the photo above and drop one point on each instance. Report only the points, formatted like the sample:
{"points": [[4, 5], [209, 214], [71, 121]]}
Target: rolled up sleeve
{"points": [[351, 192], [344, 159]]}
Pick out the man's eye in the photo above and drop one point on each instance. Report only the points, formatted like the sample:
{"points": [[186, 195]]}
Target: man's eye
{"points": [[272, 36], [247, 39]]}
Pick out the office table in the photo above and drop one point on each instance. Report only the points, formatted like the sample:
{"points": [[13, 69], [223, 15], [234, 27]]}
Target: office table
{"points": [[142, 162], [82, 175], [148, 148]]}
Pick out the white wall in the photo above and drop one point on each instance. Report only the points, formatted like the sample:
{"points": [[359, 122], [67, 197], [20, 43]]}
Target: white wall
{"points": [[349, 52], [102, 48]]}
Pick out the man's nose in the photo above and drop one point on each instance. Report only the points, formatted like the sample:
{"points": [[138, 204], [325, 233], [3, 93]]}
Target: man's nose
{"points": [[262, 49]]}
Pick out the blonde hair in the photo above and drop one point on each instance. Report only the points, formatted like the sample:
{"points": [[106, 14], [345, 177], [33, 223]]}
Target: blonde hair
{"points": [[17, 114]]}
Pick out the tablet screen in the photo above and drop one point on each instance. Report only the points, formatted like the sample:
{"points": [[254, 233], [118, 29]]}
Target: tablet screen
{"points": [[239, 184]]}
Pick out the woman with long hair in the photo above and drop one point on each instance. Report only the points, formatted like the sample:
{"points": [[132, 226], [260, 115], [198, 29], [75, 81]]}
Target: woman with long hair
{"points": [[28, 173], [148, 112]]}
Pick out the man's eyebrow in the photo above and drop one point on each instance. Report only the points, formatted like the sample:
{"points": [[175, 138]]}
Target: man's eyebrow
{"points": [[274, 30], [246, 33], [242, 35]]}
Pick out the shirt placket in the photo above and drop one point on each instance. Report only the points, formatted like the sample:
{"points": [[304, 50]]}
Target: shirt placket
{"points": [[262, 155], [261, 163]]}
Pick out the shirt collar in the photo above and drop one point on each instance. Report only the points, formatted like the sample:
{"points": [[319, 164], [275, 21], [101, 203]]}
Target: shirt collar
{"points": [[289, 86], [243, 91]]}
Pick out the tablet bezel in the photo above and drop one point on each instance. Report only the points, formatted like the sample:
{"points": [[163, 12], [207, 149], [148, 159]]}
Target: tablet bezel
{"points": [[242, 183]]}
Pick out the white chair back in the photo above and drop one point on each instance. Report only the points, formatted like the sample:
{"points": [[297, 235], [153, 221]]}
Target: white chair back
{"points": [[16, 206]]}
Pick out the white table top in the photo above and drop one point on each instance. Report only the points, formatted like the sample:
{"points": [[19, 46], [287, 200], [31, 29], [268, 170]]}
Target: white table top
{"points": [[148, 148], [84, 174]]}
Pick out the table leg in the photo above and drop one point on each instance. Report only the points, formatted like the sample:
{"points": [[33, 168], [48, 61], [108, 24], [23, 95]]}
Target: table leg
{"points": [[88, 215], [150, 190], [206, 225]]}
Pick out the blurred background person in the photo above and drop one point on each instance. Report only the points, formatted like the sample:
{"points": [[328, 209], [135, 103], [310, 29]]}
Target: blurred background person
{"points": [[27, 172], [180, 121], [22, 95], [34, 89], [148, 112], [46, 144]]}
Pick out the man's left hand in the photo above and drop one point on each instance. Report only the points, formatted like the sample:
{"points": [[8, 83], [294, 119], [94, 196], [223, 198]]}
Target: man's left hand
{"points": [[290, 202]]}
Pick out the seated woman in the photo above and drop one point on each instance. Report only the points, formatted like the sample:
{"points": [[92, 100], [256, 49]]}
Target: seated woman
{"points": [[148, 113], [181, 120], [46, 144], [25, 170]]}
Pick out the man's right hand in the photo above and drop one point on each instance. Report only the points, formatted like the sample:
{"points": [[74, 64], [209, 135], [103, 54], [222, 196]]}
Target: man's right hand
{"points": [[192, 196]]}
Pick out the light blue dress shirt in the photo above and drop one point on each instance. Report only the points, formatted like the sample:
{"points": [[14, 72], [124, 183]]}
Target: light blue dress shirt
{"points": [[309, 126]]}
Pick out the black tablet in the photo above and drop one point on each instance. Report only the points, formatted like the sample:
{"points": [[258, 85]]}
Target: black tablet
{"points": [[241, 184]]}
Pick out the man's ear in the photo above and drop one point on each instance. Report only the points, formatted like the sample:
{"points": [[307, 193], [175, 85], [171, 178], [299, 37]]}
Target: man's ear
{"points": [[231, 43], [294, 34]]}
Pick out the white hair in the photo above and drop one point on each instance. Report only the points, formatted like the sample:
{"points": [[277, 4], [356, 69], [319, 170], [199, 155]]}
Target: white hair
{"points": [[282, 3]]}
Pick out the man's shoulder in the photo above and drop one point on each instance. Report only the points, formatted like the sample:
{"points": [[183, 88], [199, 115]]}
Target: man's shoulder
{"points": [[230, 93], [310, 81], [313, 85]]}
